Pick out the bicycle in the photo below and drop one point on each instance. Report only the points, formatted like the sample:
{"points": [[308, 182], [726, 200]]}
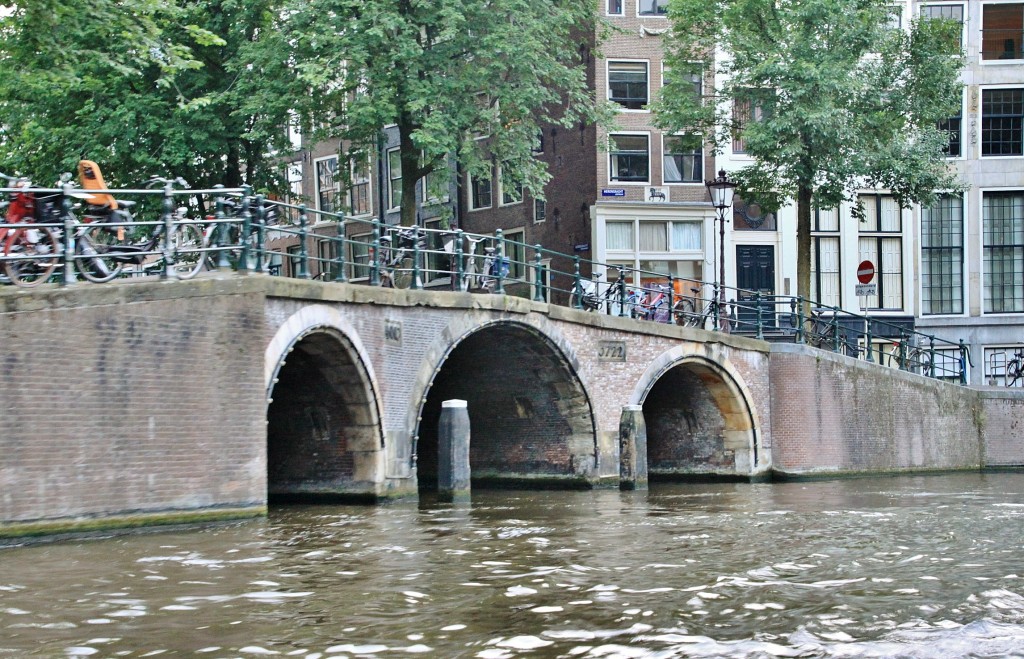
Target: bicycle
{"points": [[31, 253], [826, 333], [916, 358], [101, 250], [397, 249], [223, 235], [685, 314], [585, 295], [1015, 369]]}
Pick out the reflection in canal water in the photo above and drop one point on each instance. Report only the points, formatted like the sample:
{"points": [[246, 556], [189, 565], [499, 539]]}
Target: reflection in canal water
{"points": [[909, 567]]}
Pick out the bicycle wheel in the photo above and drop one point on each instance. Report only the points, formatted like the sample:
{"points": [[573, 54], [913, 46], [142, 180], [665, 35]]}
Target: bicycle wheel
{"points": [[1014, 372], [683, 311], [187, 243], [92, 246], [37, 256]]}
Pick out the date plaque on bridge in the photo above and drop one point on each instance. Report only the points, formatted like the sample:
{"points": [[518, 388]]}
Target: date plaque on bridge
{"points": [[393, 332], [611, 351]]}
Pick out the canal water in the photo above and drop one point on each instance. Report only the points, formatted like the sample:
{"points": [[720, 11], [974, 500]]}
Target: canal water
{"points": [[929, 566]]}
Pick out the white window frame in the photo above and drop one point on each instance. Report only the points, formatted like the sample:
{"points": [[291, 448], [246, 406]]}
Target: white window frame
{"points": [[981, 39], [654, 3], [368, 183], [608, 84], [543, 216], [392, 179], [470, 178], [519, 236], [963, 21], [611, 155], [316, 182], [664, 154], [501, 191], [981, 246], [981, 120], [443, 171], [622, 8]]}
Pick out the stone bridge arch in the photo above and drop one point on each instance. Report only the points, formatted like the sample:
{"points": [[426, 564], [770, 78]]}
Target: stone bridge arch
{"points": [[530, 424], [700, 417], [324, 432]]}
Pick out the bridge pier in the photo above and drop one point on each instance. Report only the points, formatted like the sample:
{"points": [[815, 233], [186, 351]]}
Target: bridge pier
{"points": [[632, 449], [453, 472]]}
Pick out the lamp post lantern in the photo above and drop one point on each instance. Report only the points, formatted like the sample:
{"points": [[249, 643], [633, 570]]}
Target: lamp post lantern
{"points": [[722, 191]]}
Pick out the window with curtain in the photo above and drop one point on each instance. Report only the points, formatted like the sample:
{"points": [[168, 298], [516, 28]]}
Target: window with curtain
{"points": [[825, 261], [394, 178], [683, 159], [653, 237], [942, 256], [686, 235], [630, 158], [628, 84], [619, 235], [327, 187], [1003, 251]]}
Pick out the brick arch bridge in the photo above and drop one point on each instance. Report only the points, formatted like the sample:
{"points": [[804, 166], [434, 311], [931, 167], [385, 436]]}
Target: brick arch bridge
{"points": [[165, 401], [355, 394]]}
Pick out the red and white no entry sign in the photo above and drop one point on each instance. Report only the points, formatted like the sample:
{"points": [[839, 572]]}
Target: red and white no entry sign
{"points": [[865, 272]]}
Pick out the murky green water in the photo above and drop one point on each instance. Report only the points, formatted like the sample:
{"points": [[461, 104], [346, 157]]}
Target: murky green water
{"points": [[897, 567]]}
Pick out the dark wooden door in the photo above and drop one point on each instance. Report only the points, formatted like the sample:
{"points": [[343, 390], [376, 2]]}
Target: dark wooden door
{"points": [[755, 273]]}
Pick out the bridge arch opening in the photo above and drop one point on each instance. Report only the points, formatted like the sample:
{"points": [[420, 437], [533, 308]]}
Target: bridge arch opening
{"points": [[530, 418], [323, 430], [699, 425]]}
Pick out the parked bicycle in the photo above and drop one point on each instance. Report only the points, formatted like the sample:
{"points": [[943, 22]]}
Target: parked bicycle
{"points": [[103, 247], [824, 331], [684, 312], [397, 249], [909, 356], [31, 252], [586, 294], [1015, 369]]}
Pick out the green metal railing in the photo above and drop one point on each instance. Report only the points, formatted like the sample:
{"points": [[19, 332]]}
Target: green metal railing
{"points": [[249, 233]]}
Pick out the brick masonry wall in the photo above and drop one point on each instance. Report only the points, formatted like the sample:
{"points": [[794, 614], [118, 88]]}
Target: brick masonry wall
{"points": [[130, 398], [837, 414]]}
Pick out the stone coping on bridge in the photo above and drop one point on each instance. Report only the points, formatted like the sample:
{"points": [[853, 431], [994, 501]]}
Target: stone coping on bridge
{"points": [[83, 294]]}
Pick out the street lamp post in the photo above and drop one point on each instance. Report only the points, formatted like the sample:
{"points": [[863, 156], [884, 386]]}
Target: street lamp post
{"points": [[722, 191]]}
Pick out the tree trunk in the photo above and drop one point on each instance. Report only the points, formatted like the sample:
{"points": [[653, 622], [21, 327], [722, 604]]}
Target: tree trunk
{"points": [[803, 245]]}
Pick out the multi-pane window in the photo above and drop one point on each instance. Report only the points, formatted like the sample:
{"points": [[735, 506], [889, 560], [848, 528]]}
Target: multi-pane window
{"points": [[684, 159], [951, 127], [359, 191], [825, 283], [435, 184], [515, 254], [949, 13], [628, 84], [630, 158], [744, 111], [540, 211], [326, 257], [652, 7], [293, 172], [1003, 253], [1002, 122], [327, 185], [511, 191], [942, 256], [480, 192], [359, 255], [1002, 30], [881, 243], [619, 235], [394, 178], [997, 358], [614, 7]]}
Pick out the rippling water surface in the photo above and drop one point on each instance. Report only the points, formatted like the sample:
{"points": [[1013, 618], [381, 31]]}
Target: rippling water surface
{"points": [[897, 567]]}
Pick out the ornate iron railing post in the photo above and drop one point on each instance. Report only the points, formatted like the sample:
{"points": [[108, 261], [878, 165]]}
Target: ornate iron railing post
{"points": [[243, 254], [902, 353], [339, 259], [538, 274], [835, 329], [375, 261], [715, 310], [460, 284], [576, 298], [223, 233], [931, 356], [303, 272], [671, 299], [417, 281], [168, 247], [800, 320], [499, 287], [760, 315], [69, 235], [867, 334], [261, 235]]}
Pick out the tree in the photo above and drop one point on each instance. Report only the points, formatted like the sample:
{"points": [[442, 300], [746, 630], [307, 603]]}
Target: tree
{"points": [[841, 99], [445, 72], [143, 87]]}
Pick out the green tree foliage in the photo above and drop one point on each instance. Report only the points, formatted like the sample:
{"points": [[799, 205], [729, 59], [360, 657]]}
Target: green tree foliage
{"points": [[843, 99], [444, 71], [142, 87]]}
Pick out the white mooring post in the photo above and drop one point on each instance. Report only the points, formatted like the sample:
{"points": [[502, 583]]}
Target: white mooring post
{"points": [[632, 449], [453, 452]]}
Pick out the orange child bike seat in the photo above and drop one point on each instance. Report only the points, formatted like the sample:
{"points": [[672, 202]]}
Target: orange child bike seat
{"points": [[91, 178]]}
